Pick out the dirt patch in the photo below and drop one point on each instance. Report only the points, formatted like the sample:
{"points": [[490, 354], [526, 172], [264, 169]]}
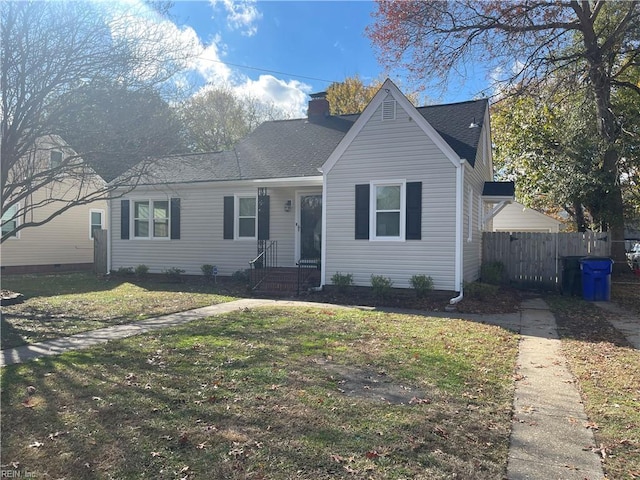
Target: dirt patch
{"points": [[370, 384]]}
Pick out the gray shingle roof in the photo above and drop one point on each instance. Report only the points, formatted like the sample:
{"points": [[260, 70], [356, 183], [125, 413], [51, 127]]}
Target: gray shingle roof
{"points": [[297, 148]]}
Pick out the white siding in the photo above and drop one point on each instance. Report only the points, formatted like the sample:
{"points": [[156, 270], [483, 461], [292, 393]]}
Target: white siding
{"points": [[65, 239], [474, 183], [201, 237], [392, 150], [515, 217]]}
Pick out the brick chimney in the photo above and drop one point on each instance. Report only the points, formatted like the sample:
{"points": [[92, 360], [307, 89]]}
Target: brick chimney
{"points": [[318, 106]]}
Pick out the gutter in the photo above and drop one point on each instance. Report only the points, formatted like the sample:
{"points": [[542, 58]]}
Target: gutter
{"points": [[459, 264]]}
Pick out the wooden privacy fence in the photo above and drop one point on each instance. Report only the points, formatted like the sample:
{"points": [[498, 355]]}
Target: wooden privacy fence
{"points": [[536, 259], [100, 252]]}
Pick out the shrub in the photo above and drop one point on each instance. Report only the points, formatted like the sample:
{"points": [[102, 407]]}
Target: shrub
{"points": [[240, 276], [124, 271], [493, 273], [422, 284], [142, 270], [342, 281], [207, 270], [173, 274], [480, 291], [381, 286]]}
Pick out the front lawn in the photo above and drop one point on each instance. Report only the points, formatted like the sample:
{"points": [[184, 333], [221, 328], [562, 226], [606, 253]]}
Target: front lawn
{"points": [[270, 394], [61, 305]]}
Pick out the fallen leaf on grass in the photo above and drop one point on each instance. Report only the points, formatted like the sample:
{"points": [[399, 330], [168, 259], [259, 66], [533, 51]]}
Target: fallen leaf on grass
{"points": [[372, 454], [55, 435], [592, 426], [441, 432], [419, 401], [36, 444]]}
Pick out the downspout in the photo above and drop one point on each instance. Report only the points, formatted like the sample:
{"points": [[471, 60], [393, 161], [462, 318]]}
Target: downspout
{"points": [[323, 242], [109, 201], [459, 264]]}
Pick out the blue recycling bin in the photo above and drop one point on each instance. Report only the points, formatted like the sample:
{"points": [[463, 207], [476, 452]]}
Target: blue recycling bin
{"points": [[596, 278]]}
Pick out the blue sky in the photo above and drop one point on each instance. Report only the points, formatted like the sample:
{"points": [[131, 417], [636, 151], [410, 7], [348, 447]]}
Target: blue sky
{"points": [[293, 48]]}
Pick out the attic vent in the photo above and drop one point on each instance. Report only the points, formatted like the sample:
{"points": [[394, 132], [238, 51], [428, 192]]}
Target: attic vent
{"points": [[389, 110]]}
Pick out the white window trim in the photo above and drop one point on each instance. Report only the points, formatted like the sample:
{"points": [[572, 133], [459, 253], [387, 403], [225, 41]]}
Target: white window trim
{"points": [[373, 210], [132, 218], [17, 220], [102, 222], [236, 218]]}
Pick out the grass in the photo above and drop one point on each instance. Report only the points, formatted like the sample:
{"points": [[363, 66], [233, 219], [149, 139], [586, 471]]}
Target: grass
{"points": [[270, 393], [608, 372], [60, 305]]}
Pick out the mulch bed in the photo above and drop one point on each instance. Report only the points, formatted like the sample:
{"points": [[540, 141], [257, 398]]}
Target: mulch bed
{"points": [[10, 298], [507, 301]]}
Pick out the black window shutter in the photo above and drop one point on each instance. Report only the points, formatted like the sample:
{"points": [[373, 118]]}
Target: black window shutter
{"points": [[228, 218], [175, 218], [414, 211], [124, 219], [362, 211], [263, 217]]}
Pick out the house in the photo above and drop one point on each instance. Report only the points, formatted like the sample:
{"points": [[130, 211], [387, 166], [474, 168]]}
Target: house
{"points": [[64, 243], [515, 217], [395, 191]]}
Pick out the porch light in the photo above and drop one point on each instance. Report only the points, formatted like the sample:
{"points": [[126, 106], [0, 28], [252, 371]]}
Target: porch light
{"points": [[287, 206]]}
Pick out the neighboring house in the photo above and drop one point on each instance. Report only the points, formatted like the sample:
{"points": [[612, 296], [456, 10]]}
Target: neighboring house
{"points": [[66, 242], [515, 217], [395, 191]]}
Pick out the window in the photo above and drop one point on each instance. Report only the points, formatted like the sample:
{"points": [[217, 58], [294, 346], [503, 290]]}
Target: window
{"points": [[151, 219], [247, 217], [56, 159], [96, 221], [388, 211], [10, 220], [141, 219], [161, 219]]}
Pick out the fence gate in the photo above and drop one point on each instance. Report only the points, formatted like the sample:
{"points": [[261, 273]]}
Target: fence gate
{"points": [[100, 252], [535, 259]]}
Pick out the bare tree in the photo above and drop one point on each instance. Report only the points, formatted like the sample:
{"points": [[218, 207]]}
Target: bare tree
{"points": [[595, 42], [49, 51], [216, 118]]}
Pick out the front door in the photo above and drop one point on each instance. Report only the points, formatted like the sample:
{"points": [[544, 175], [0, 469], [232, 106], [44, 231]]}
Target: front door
{"points": [[310, 226]]}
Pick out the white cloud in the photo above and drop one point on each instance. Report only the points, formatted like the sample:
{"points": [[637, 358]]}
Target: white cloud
{"points": [[209, 64], [241, 15], [290, 96], [205, 65]]}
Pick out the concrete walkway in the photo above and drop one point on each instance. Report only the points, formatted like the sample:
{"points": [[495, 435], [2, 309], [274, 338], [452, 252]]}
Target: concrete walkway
{"points": [[624, 322], [549, 438], [88, 339]]}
